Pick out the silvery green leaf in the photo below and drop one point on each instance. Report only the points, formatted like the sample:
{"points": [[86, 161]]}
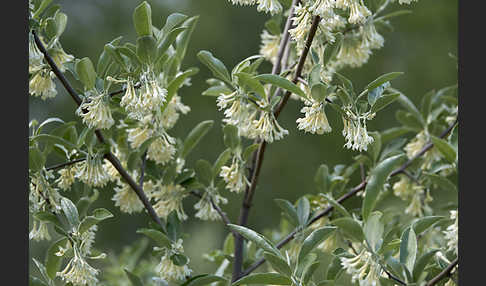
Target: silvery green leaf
{"points": [[142, 19]]}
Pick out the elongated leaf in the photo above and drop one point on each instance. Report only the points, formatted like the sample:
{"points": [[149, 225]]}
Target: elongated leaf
{"points": [[146, 49], [408, 104], [373, 230], [217, 90], [97, 216], [220, 161], [216, 66], [278, 263], [314, 239], [142, 19], [134, 279], [378, 177], [70, 211], [321, 178], [384, 101], [289, 210], [257, 238], [177, 82], [264, 278], [47, 217], [308, 271], [423, 223], [206, 279], [195, 136], [204, 172], [442, 182], [303, 210], [375, 94], [350, 227], [37, 159], [86, 72], [382, 79], [422, 264], [408, 248], [169, 40], [182, 40], [393, 133], [249, 150], [161, 239], [230, 136], [282, 83], [337, 206], [445, 148]]}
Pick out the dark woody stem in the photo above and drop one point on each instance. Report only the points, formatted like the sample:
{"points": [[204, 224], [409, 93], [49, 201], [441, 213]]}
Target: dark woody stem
{"points": [[109, 156], [65, 164], [258, 156], [346, 196], [446, 272]]}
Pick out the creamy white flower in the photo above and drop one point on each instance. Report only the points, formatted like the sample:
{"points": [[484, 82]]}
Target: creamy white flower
{"points": [[98, 113], [66, 178], [43, 196], [41, 84], [403, 188], [358, 12], [362, 268], [162, 150], [39, 231], [169, 198], [321, 7], [78, 271], [171, 112], [315, 120], [371, 38], [356, 134], [35, 56], [352, 53], [234, 176], [269, 46], [126, 199], [205, 209], [87, 239], [343, 4], [152, 94], [179, 165], [130, 100], [452, 233], [60, 57], [269, 6], [168, 270], [414, 147], [138, 135], [267, 128], [91, 171], [302, 22]]}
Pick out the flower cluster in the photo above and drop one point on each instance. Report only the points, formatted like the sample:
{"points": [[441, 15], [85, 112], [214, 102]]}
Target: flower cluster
{"points": [[452, 233], [315, 120], [92, 171], [96, 112], [362, 268], [355, 131], [170, 271], [205, 209], [268, 6], [234, 175]]}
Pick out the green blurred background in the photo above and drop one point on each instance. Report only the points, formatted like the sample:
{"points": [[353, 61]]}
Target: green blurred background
{"points": [[418, 46]]}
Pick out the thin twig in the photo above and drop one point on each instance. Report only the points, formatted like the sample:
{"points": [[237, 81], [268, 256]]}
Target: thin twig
{"points": [[221, 213], [109, 156], [117, 92], [444, 272], [61, 165], [142, 168]]}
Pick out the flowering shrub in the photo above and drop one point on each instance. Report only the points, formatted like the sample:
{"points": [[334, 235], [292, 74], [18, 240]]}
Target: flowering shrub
{"points": [[131, 99]]}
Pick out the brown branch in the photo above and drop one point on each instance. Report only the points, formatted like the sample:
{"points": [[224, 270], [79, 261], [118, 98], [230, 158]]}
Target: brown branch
{"points": [[109, 156], [58, 166], [444, 272], [346, 196]]}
